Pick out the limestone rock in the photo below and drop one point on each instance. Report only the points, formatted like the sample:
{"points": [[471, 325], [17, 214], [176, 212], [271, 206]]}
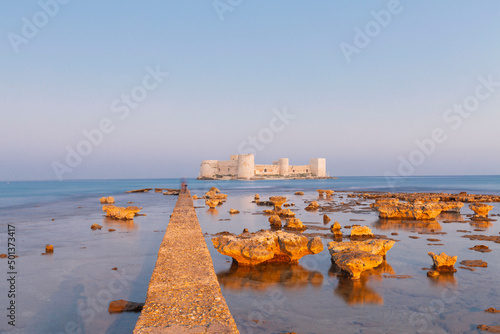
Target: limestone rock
{"points": [[195, 197], [118, 306], [96, 226], [299, 193], [373, 246], [326, 219], [215, 190], [480, 209], [121, 213], [212, 203], [474, 263], [49, 249], [320, 192], [233, 212], [451, 206], [384, 201], [107, 200], [361, 231], [335, 227], [313, 206], [253, 248], [287, 213], [329, 193], [443, 262], [278, 201], [356, 262], [275, 221], [294, 224], [410, 211], [256, 197]]}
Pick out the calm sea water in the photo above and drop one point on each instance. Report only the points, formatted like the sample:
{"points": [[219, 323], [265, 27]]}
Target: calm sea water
{"points": [[69, 291]]}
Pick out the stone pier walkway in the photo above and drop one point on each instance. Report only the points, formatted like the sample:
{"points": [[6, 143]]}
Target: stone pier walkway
{"points": [[184, 295]]}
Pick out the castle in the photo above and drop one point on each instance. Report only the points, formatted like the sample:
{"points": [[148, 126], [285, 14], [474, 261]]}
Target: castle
{"points": [[242, 166]]}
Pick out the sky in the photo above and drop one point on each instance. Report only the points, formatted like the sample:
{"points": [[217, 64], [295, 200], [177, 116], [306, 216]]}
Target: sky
{"points": [[149, 89]]}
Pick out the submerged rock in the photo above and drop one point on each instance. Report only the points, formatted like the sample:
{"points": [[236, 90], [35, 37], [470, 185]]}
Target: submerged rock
{"points": [[253, 248], [118, 306], [299, 193], [95, 226], [233, 211]]}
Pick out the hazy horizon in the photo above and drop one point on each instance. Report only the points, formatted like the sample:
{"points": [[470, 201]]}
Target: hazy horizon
{"points": [[149, 90]]}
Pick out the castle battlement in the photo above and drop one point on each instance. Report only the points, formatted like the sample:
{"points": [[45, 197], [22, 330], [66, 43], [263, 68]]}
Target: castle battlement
{"points": [[242, 166]]}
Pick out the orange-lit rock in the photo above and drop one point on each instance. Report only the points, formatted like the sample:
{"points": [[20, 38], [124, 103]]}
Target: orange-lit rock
{"points": [[410, 211], [361, 231], [326, 219], [481, 209], [250, 249], [233, 211], [313, 206], [212, 203], [299, 193], [107, 200], [329, 193], [356, 262], [443, 262], [451, 206], [373, 246], [116, 212], [278, 201], [294, 224], [275, 221]]}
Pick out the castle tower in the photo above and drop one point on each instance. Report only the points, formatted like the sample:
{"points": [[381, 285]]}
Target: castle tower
{"points": [[209, 168], [318, 167], [246, 166], [283, 166]]}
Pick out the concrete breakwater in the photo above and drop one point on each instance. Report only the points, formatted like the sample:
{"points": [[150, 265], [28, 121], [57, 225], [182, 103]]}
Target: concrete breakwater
{"points": [[184, 295]]}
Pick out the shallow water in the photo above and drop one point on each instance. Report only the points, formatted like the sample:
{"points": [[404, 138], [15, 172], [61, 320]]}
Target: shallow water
{"points": [[71, 288]]}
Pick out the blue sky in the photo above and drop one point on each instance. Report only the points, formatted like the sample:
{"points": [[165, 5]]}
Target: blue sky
{"points": [[227, 77]]}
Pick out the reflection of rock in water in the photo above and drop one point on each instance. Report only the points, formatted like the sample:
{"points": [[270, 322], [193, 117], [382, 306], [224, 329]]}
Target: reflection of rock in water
{"points": [[480, 223], [357, 292], [407, 225], [119, 224], [263, 276], [212, 211], [451, 216], [444, 279]]}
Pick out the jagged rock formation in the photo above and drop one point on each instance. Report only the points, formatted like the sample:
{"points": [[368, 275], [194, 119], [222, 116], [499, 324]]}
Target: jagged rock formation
{"points": [[116, 212], [250, 249]]}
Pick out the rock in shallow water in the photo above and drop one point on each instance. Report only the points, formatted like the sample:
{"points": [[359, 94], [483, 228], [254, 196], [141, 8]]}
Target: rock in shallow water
{"points": [[118, 306], [253, 248], [418, 211], [443, 262]]}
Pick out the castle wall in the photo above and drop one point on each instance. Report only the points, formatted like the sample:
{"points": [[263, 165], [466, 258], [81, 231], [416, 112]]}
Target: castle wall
{"points": [[318, 167], [209, 168], [284, 166], [246, 166], [299, 169], [228, 168], [266, 170]]}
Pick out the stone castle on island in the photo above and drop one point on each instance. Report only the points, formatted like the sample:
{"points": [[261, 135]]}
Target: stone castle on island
{"points": [[243, 167]]}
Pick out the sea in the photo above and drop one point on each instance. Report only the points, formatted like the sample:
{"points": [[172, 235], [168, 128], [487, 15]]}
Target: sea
{"points": [[69, 291]]}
